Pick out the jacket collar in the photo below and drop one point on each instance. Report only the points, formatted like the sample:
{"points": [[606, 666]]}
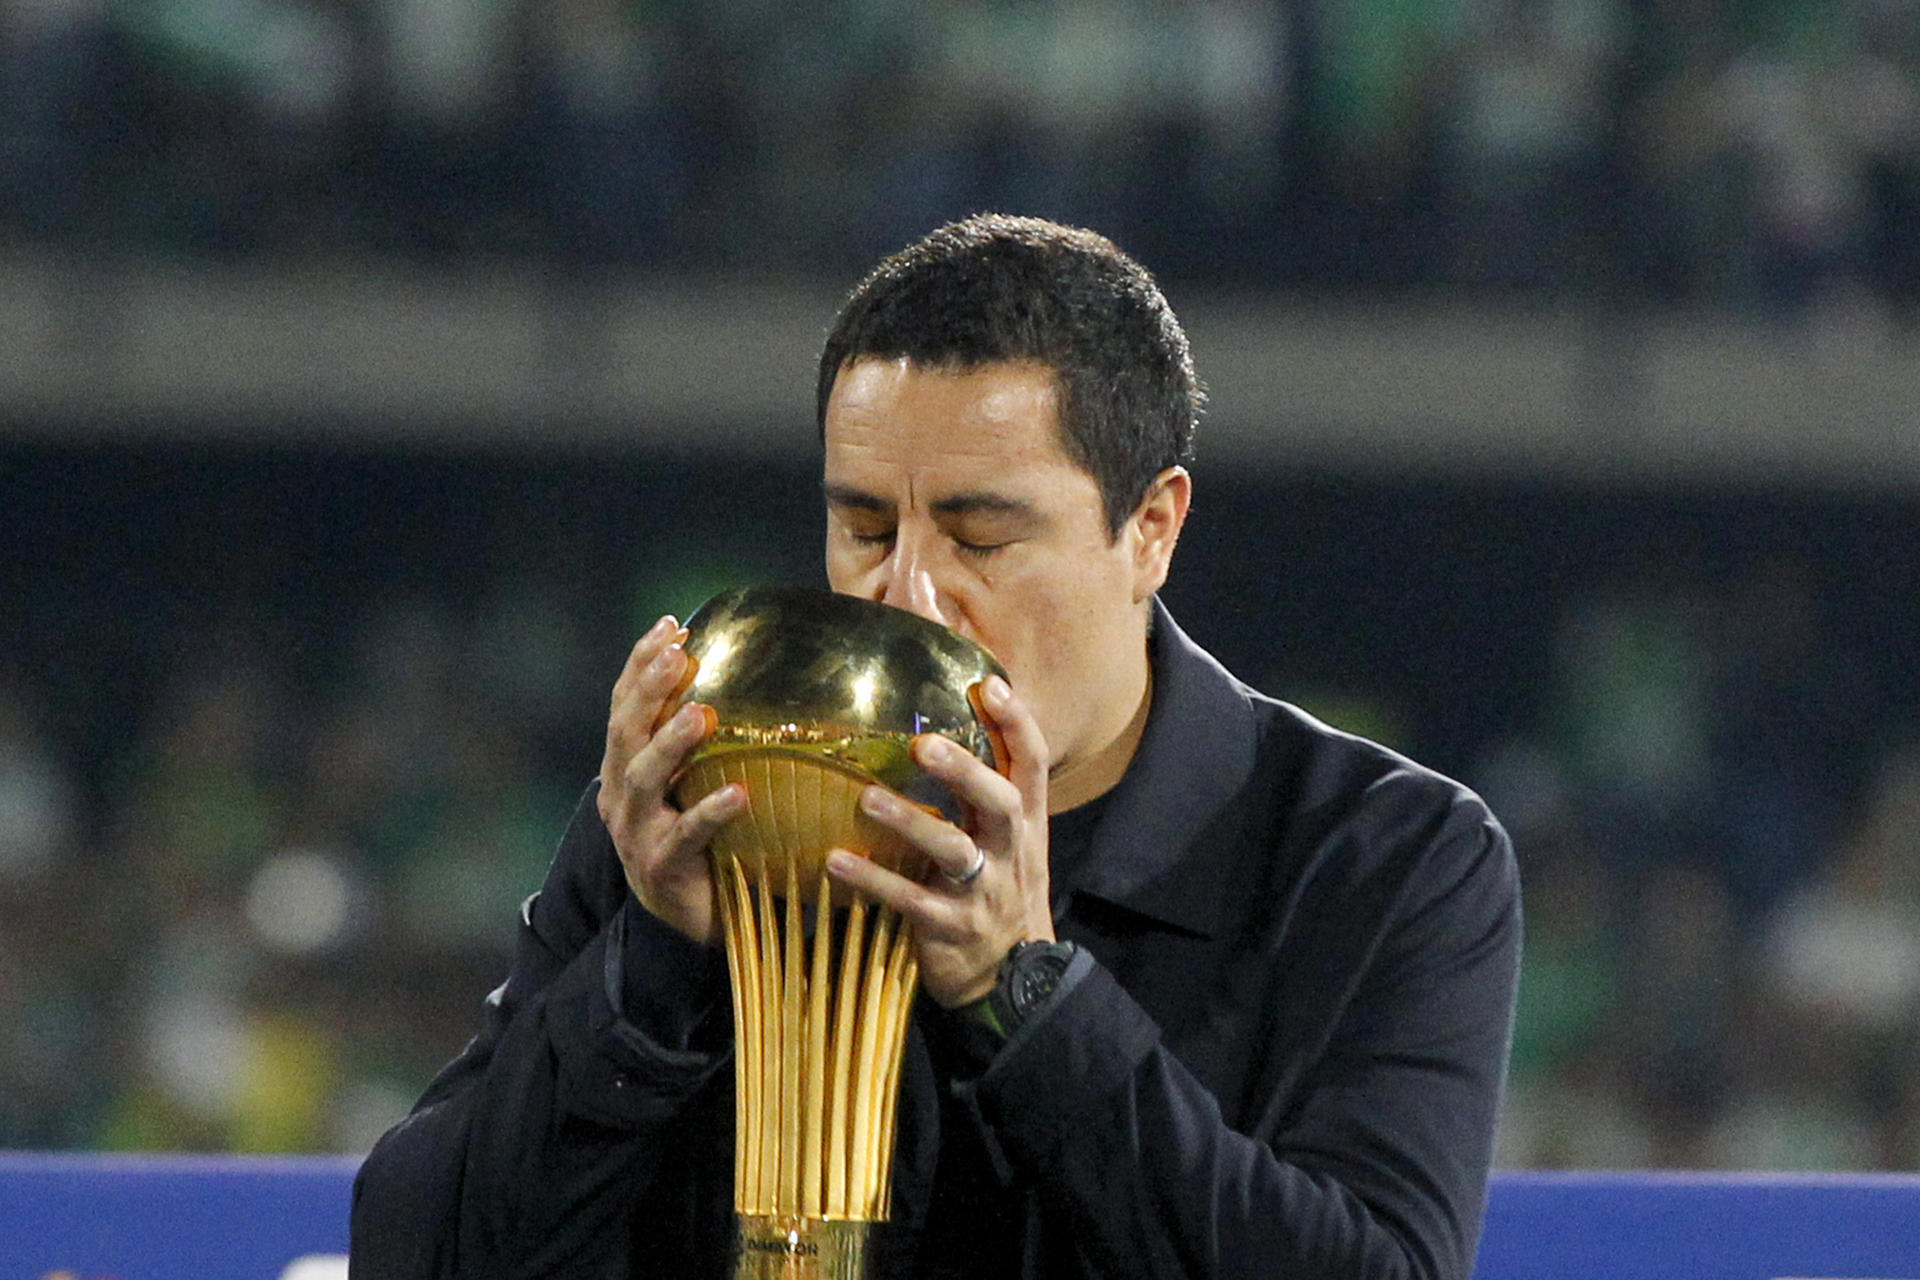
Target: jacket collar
{"points": [[1193, 760]]}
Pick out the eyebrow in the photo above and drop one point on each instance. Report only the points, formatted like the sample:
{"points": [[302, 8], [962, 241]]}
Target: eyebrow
{"points": [[840, 495], [972, 502]]}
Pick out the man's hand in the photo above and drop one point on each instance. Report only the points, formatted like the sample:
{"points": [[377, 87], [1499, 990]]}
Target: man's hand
{"points": [[662, 849], [964, 924]]}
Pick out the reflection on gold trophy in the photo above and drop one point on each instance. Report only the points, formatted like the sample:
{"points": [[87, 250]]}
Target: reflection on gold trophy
{"points": [[818, 696]]}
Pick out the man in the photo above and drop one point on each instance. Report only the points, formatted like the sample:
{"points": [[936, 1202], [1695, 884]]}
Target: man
{"points": [[1210, 988]]}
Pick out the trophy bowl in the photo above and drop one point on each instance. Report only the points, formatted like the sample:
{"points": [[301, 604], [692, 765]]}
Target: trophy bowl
{"points": [[819, 695]]}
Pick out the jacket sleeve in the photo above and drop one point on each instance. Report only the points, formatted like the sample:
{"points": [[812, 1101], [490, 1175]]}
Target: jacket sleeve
{"points": [[1373, 1164], [531, 1151]]}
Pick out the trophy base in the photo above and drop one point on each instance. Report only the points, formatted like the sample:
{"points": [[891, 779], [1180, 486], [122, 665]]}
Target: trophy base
{"points": [[782, 1248]]}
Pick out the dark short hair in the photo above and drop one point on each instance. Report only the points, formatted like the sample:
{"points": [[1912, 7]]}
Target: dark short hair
{"points": [[995, 288]]}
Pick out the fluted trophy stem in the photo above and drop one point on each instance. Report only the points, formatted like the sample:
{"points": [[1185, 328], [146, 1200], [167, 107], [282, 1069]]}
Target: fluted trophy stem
{"points": [[821, 1005]]}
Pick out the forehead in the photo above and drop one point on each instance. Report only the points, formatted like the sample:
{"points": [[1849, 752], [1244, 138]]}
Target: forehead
{"points": [[898, 414]]}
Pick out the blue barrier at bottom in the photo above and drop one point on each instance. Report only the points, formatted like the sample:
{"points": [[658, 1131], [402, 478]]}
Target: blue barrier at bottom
{"points": [[162, 1217], [217, 1218], [1701, 1226]]}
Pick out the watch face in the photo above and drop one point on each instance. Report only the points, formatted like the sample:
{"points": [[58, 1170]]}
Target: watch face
{"points": [[1037, 973]]}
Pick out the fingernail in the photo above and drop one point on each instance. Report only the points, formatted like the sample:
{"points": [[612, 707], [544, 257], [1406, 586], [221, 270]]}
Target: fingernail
{"points": [[664, 625], [933, 748], [877, 803], [690, 719], [997, 691]]}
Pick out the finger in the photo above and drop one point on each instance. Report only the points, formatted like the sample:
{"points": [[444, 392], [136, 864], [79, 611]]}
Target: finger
{"points": [[987, 722], [679, 669], [652, 696], [930, 913], [638, 708], [654, 764], [994, 800], [645, 649], [1027, 757], [951, 849], [695, 829], [667, 865]]}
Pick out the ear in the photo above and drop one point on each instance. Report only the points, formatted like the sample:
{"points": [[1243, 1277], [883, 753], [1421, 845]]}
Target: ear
{"points": [[1154, 529]]}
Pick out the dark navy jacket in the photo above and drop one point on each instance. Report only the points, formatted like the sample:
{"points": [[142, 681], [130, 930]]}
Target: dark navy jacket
{"points": [[1281, 1054]]}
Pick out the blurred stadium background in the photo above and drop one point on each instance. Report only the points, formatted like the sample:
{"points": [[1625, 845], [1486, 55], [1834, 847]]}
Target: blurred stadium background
{"points": [[371, 371]]}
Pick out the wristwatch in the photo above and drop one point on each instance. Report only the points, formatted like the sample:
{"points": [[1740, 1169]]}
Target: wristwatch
{"points": [[1028, 978]]}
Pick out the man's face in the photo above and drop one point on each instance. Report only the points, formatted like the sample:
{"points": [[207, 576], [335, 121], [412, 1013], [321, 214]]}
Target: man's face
{"points": [[949, 495]]}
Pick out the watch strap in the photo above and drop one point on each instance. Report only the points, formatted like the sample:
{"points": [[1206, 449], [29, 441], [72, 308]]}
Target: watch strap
{"points": [[1029, 976]]}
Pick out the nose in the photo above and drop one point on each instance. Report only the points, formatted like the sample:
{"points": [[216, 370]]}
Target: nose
{"points": [[909, 582]]}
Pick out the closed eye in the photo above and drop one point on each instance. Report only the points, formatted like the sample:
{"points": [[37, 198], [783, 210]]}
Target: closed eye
{"points": [[978, 550]]}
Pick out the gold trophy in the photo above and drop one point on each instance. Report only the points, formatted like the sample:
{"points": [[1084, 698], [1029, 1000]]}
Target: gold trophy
{"points": [[818, 696]]}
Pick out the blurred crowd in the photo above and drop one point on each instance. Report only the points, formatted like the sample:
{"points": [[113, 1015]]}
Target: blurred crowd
{"points": [[1719, 833], [267, 919], [284, 742], [267, 805], [1760, 154]]}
